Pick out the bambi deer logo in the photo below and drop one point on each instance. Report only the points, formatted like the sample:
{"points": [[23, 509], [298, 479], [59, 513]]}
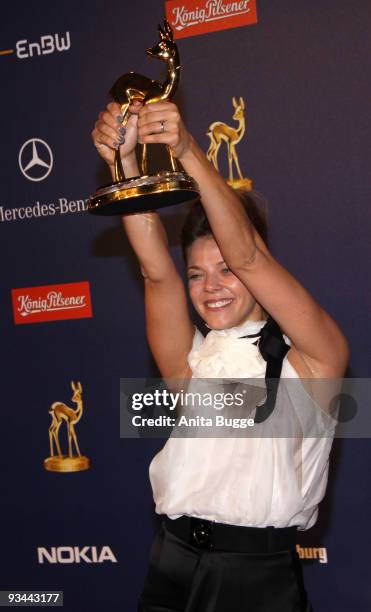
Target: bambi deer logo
{"points": [[220, 132], [61, 413]]}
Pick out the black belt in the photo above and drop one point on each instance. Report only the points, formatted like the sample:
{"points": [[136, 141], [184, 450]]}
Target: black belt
{"points": [[233, 538]]}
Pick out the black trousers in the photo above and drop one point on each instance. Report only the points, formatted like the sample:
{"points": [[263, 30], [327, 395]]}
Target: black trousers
{"points": [[183, 577]]}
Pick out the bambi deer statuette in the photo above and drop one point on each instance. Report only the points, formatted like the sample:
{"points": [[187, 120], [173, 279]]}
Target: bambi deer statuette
{"points": [[61, 412], [219, 132], [134, 86]]}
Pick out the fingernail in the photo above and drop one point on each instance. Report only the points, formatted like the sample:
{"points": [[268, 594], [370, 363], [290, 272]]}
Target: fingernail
{"points": [[122, 131], [120, 118], [115, 144], [121, 140]]}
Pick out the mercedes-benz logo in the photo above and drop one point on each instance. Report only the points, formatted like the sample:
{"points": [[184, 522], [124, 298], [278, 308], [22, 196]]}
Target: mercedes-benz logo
{"points": [[35, 159]]}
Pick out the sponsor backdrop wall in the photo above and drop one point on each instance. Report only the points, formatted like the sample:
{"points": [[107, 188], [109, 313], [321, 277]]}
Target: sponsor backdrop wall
{"points": [[71, 297]]}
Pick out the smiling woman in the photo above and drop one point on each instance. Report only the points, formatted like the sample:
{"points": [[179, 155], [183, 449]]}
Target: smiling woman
{"points": [[218, 296], [231, 506]]}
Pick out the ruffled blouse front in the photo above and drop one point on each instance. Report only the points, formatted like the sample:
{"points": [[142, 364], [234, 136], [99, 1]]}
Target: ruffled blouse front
{"points": [[227, 353], [254, 480]]}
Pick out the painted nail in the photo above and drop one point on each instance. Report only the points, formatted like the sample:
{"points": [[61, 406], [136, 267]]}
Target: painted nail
{"points": [[121, 140], [122, 131], [120, 118], [115, 144]]}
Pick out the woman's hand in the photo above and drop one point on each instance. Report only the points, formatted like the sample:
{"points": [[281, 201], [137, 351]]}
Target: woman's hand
{"points": [[109, 134], [160, 122]]}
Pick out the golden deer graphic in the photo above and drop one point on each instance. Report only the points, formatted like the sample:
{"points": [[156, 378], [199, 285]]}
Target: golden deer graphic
{"points": [[219, 132], [60, 413], [134, 86]]}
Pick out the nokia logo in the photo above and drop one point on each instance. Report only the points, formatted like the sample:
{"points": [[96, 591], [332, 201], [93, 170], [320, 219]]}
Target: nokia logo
{"points": [[75, 554]]}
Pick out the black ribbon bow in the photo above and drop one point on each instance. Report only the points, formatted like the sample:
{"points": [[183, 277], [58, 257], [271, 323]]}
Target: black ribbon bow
{"points": [[273, 349]]}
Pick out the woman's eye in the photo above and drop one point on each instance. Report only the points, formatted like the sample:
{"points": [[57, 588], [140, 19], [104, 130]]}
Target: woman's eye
{"points": [[225, 270], [194, 277]]}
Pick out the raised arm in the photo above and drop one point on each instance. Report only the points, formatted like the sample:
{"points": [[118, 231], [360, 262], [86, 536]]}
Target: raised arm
{"points": [[319, 347], [169, 328]]}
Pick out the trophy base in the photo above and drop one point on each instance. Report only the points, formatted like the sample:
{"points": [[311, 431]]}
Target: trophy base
{"points": [[143, 193], [66, 464]]}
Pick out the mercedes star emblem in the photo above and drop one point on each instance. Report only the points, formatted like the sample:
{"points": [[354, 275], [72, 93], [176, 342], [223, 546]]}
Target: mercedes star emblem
{"points": [[35, 159]]}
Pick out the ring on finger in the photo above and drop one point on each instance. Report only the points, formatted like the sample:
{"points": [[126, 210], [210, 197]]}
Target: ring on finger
{"points": [[162, 127]]}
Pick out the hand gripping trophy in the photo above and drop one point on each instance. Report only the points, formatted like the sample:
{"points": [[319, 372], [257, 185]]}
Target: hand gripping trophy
{"points": [[146, 192]]}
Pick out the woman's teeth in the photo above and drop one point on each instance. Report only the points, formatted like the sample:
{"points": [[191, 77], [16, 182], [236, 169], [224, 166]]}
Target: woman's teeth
{"points": [[218, 304]]}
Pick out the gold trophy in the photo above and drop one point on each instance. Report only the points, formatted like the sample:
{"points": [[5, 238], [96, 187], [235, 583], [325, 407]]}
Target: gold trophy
{"points": [[61, 412], [148, 191]]}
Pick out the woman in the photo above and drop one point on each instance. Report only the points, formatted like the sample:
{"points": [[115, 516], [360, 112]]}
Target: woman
{"points": [[231, 506]]}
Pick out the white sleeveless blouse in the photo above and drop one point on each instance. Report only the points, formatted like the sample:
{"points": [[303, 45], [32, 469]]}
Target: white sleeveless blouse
{"points": [[262, 481]]}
